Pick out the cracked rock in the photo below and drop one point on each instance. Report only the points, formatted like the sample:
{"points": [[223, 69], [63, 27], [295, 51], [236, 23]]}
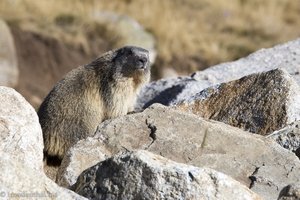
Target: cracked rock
{"points": [[260, 103], [143, 175], [187, 138]]}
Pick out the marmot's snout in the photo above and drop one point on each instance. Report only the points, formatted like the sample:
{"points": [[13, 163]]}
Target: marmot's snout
{"points": [[134, 58], [141, 57]]}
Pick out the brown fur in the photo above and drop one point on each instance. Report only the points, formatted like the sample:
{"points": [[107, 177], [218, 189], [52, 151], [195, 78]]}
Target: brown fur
{"points": [[103, 89]]}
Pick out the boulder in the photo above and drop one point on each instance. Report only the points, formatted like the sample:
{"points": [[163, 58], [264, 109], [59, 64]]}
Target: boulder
{"points": [[21, 133], [21, 147], [260, 103], [285, 56], [19, 181], [8, 57], [126, 31], [255, 161], [143, 175]]}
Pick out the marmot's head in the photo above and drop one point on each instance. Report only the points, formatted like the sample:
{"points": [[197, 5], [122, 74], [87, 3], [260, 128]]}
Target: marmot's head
{"points": [[126, 62], [131, 61]]}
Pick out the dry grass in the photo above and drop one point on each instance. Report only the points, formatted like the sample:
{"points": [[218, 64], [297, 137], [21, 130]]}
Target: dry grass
{"points": [[190, 34]]}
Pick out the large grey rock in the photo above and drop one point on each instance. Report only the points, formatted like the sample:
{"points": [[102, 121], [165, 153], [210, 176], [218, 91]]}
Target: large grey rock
{"points": [[8, 57], [21, 133], [186, 138], [288, 137], [21, 147], [260, 103], [19, 181], [126, 31], [143, 175], [285, 56]]}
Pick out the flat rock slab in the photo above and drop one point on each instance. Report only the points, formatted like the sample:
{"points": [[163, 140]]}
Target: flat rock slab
{"points": [[260, 103], [186, 138], [285, 56], [143, 175]]}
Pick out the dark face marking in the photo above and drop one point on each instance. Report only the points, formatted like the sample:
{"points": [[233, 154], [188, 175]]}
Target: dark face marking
{"points": [[132, 60]]}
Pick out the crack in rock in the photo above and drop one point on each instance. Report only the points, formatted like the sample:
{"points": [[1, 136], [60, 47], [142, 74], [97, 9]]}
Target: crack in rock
{"points": [[290, 171], [192, 178], [260, 179], [253, 178], [152, 134], [216, 183]]}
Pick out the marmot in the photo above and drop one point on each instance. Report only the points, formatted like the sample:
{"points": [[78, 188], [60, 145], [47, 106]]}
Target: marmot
{"points": [[105, 88]]}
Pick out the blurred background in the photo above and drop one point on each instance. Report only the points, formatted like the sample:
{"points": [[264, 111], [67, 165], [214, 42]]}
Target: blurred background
{"points": [[51, 37]]}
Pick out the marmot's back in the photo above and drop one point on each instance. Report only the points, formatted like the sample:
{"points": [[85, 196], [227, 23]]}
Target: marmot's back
{"points": [[105, 88]]}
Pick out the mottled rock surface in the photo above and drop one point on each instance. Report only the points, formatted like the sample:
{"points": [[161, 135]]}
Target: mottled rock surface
{"points": [[143, 175], [8, 58], [18, 180], [21, 133], [21, 147], [285, 56], [260, 103], [288, 137], [255, 161], [290, 192]]}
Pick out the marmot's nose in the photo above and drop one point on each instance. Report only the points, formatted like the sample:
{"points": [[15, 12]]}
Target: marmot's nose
{"points": [[142, 61], [141, 57]]}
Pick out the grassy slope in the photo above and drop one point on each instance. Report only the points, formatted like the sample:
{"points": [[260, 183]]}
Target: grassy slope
{"points": [[191, 34]]}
